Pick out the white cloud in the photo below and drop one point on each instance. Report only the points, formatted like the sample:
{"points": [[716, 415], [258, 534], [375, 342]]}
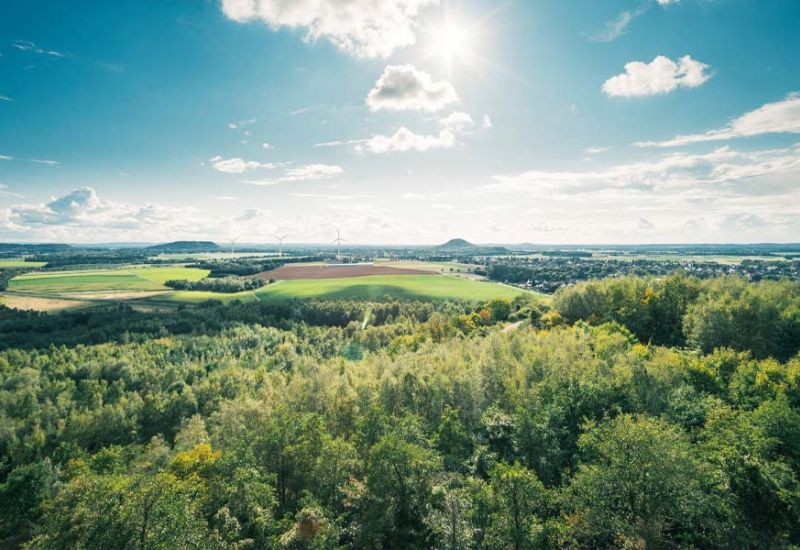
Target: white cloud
{"points": [[406, 140], [403, 87], [486, 122], [660, 76], [304, 110], [365, 28], [5, 98], [5, 157], [781, 117], [457, 121], [4, 192], [242, 124], [595, 150], [617, 26], [735, 171], [303, 173], [82, 216], [28, 46], [237, 165], [267, 146], [47, 162]]}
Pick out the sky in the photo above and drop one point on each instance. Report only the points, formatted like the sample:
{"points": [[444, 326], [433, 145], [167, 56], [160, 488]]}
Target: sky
{"points": [[400, 121]]}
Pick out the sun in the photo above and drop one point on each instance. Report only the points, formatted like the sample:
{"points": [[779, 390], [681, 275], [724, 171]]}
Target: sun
{"points": [[451, 41]]}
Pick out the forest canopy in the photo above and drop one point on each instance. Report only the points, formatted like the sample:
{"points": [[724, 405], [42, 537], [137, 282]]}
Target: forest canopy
{"points": [[632, 413]]}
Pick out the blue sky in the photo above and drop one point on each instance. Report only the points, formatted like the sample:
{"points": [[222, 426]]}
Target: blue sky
{"points": [[400, 121]]}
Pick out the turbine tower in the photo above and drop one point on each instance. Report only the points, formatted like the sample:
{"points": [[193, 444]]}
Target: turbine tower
{"points": [[233, 244], [338, 240], [280, 239]]}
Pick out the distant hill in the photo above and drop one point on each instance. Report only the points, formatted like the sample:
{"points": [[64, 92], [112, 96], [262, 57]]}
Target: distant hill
{"points": [[461, 246], [455, 244], [23, 248], [185, 246]]}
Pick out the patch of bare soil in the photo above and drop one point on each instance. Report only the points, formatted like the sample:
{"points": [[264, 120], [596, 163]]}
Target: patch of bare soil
{"points": [[33, 303]]}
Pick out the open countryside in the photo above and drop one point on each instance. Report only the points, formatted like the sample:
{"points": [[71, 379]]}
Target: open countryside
{"points": [[400, 275]]}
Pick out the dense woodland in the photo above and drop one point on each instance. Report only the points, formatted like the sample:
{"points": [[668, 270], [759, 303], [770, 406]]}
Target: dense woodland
{"points": [[632, 413]]}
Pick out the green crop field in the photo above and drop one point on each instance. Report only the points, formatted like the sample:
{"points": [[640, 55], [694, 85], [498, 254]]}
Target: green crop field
{"points": [[197, 296], [46, 283], [18, 262], [423, 287], [63, 282], [161, 275]]}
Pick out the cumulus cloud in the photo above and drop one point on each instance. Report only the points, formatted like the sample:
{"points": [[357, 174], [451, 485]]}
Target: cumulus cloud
{"points": [[303, 173], [780, 117], [406, 140], [457, 121], [404, 88], [365, 28], [83, 216], [660, 76]]}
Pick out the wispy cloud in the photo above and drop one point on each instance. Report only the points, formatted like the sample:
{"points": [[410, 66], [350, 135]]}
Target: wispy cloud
{"points": [[619, 25], [242, 123], [47, 162], [676, 172], [780, 117], [302, 173], [28, 46], [4, 192], [5, 98], [238, 165]]}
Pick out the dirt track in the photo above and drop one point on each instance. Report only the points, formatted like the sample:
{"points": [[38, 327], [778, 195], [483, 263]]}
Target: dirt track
{"points": [[289, 272]]}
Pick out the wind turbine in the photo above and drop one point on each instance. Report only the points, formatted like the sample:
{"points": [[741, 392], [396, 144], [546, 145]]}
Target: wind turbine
{"points": [[338, 240], [280, 244], [233, 244]]}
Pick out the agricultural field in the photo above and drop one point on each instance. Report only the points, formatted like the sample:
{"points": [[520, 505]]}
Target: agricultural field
{"points": [[15, 263], [436, 267], [78, 281], [54, 291], [51, 291], [161, 275], [322, 271], [423, 287]]}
